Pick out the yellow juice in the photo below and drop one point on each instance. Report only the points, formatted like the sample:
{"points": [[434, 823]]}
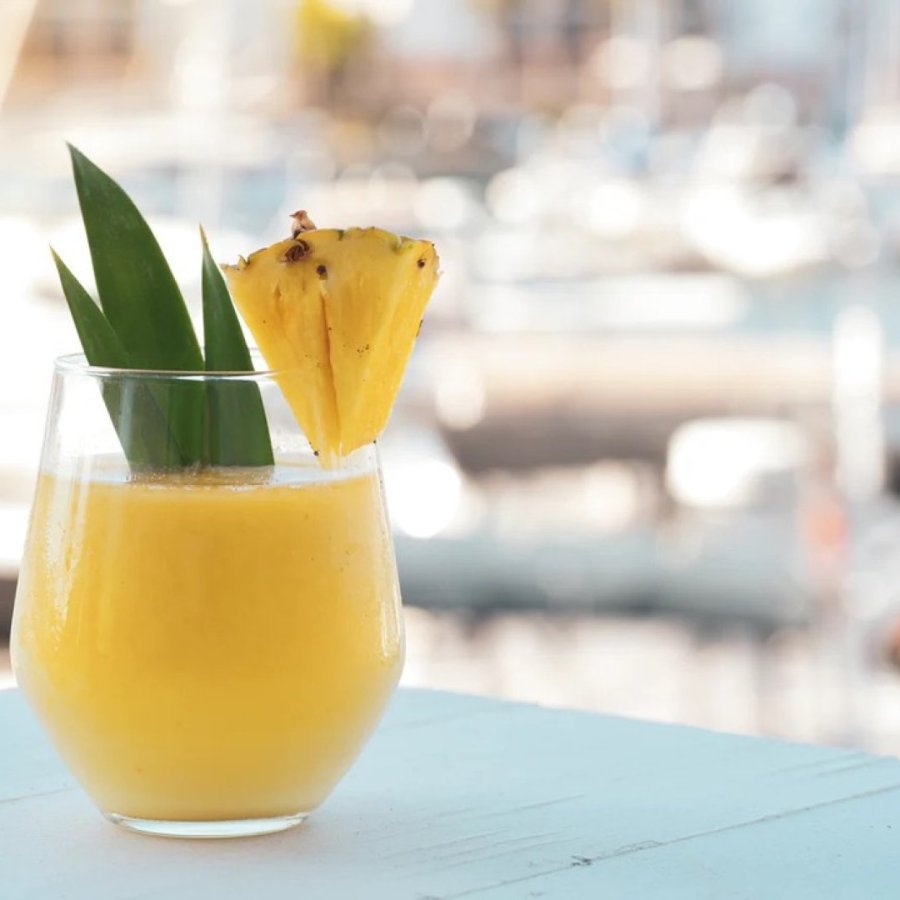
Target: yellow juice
{"points": [[213, 645]]}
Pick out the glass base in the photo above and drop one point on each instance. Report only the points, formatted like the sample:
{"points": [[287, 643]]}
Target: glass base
{"points": [[225, 828]]}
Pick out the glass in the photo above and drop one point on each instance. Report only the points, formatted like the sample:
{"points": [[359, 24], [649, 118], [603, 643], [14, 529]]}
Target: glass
{"points": [[208, 648]]}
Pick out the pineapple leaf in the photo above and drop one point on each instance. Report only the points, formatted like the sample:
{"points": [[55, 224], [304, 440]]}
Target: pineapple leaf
{"points": [[142, 302], [135, 414], [100, 343], [237, 431]]}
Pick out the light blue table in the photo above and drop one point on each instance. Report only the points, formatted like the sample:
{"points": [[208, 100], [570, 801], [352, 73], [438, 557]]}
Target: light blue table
{"points": [[463, 797]]}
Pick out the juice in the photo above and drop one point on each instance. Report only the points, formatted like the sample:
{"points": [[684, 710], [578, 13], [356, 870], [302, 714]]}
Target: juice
{"points": [[212, 645]]}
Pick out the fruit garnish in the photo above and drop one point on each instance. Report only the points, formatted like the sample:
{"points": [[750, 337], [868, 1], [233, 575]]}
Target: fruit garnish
{"points": [[337, 312], [142, 323]]}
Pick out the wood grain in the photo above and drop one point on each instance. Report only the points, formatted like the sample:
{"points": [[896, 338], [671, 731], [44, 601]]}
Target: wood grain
{"points": [[462, 797]]}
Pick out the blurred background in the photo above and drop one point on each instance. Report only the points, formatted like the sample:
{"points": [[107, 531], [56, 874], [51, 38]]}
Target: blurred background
{"points": [[647, 455]]}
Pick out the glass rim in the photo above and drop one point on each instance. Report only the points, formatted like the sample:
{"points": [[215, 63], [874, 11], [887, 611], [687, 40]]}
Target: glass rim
{"points": [[77, 364]]}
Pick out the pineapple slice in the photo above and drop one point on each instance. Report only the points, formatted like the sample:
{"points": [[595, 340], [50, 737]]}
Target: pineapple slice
{"points": [[337, 312]]}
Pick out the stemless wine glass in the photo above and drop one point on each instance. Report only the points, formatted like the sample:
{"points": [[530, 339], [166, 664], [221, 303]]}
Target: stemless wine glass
{"points": [[209, 646]]}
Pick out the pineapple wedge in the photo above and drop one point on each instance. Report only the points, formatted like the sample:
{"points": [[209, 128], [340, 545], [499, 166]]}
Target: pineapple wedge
{"points": [[338, 313]]}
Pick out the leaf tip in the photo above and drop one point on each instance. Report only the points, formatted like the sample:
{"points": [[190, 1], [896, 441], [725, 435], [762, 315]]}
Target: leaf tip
{"points": [[61, 267], [77, 157]]}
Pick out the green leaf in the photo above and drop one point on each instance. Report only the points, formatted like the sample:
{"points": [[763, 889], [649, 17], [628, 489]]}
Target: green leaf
{"points": [[238, 434], [142, 302], [100, 343], [135, 414]]}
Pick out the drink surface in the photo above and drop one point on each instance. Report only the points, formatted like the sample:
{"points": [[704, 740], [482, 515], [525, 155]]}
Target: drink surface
{"points": [[208, 645]]}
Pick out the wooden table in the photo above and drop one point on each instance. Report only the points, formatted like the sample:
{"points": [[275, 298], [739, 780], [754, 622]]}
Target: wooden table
{"points": [[464, 797]]}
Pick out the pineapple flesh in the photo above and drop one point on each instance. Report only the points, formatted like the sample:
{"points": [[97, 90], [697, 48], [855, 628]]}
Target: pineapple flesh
{"points": [[337, 314]]}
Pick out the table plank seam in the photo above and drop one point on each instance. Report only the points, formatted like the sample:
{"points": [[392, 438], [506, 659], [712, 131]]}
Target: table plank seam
{"points": [[520, 845], [452, 717], [643, 846], [21, 797]]}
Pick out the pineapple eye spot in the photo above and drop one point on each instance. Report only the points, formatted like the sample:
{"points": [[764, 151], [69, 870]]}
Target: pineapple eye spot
{"points": [[295, 252], [321, 271], [421, 263]]}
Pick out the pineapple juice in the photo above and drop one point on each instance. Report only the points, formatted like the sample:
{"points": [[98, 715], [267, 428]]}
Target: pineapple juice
{"points": [[209, 645]]}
